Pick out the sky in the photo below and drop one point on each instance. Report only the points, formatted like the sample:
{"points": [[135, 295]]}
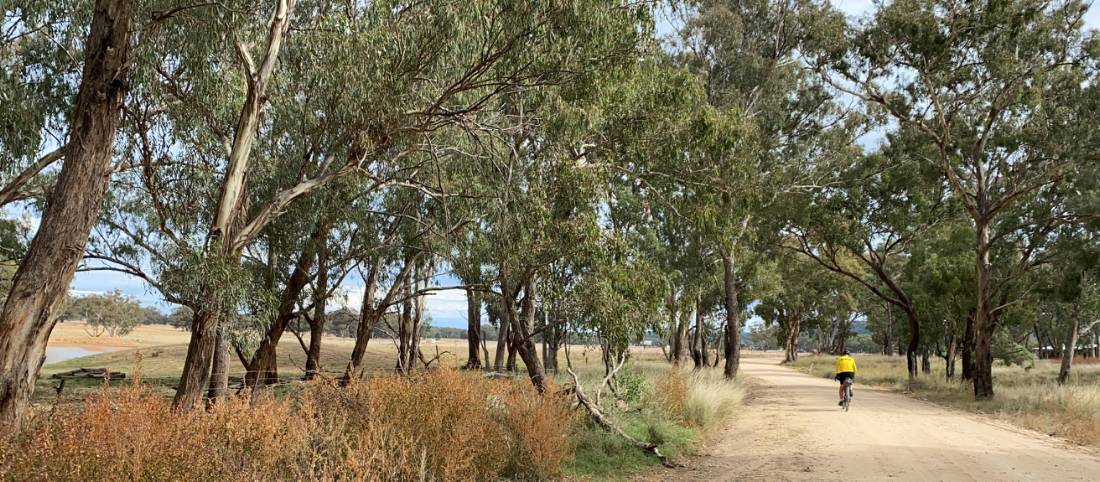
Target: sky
{"points": [[445, 308]]}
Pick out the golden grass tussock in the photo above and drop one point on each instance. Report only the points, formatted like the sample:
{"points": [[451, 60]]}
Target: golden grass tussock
{"points": [[701, 399], [440, 425], [711, 400], [1028, 396]]}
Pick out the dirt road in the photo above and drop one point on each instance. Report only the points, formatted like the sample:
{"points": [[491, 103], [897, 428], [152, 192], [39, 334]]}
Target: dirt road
{"points": [[793, 430]]}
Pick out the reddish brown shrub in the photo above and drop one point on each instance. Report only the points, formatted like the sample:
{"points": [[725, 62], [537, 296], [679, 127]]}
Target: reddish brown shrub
{"points": [[441, 425]]}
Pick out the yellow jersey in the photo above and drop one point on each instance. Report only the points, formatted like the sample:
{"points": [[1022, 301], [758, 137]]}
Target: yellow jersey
{"points": [[845, 363]]}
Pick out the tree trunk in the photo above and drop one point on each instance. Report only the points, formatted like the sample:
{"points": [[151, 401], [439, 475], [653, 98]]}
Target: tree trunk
{"points": [[949, 359], [554, 345], [316, 335], [503, 335], [417, 321], [914, 344], [42, 280], [404, 331], [522, 328], [370, 315], [1067, 353], [320, 299], [733, 326], [473, 330], [219, 370], [1095, 343], [510, 365], [368, 318], [679, 351], [983, 323], [925, 363], [697, 346], [793, 331], [720, 347], [703, 345], [551, 336], [264, 366], [196, 366], [888, 337]]}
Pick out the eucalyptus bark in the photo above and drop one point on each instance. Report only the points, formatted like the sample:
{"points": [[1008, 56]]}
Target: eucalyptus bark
{"points": [[40, 284], [914, 341], [732, 338], [983, 322], [949, 358], [1068, 352], [317, 321], [523, 326], [793, 329], [967, 349], [368, 318], [473, 330], [219, 370], [698, 346], [404, 331], [679, 349], [503, 335]]}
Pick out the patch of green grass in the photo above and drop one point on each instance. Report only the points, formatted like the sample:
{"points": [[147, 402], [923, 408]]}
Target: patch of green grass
{"points": [[701, 403]]}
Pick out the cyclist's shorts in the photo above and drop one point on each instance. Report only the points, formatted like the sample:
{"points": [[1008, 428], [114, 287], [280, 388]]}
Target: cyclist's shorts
{"points": [[840, 377]]}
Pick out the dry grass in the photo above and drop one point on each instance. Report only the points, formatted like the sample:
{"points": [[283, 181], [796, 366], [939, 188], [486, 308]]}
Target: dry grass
{"points": [[1028, 397], [73, 333], [702, 399], [712, 400], [440, 425]]}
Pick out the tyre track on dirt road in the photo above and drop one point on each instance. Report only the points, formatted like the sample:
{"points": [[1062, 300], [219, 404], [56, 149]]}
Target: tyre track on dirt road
{"points": [[792, 429]]}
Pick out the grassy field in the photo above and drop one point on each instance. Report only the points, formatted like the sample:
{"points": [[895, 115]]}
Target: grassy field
{"points": [[1025, 396], [158, 351]]}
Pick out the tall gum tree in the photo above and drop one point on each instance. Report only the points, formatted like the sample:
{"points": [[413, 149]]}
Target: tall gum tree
{"points": [[746, 52], [863, 222], [986, 84], [42, 280]]}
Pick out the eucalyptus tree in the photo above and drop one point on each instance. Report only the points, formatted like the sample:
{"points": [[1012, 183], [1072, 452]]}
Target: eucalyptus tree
{"points": [[468, 259], [938, 276], [800, 295], [989, 85], [42, 280], [765, 114], [369, 86], [862, 225], [1069, 294]]}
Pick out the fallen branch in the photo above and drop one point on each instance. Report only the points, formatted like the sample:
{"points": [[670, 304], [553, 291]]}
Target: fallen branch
{"points": [[601, 420], [609, 377]]}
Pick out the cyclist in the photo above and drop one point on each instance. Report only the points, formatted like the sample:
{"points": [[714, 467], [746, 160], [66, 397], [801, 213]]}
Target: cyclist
{"points": [[845, 370]]}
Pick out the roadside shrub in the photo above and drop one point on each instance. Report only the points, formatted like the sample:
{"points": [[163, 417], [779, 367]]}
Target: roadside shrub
{"points": [[441, 425], [539, 427], [670, 392], [631, 384]]}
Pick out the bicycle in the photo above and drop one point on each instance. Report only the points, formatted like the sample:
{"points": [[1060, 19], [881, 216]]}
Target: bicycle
{"points": [[847, 393]]}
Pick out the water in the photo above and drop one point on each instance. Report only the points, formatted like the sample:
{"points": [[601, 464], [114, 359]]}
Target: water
{"points": [[56, 354]]}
